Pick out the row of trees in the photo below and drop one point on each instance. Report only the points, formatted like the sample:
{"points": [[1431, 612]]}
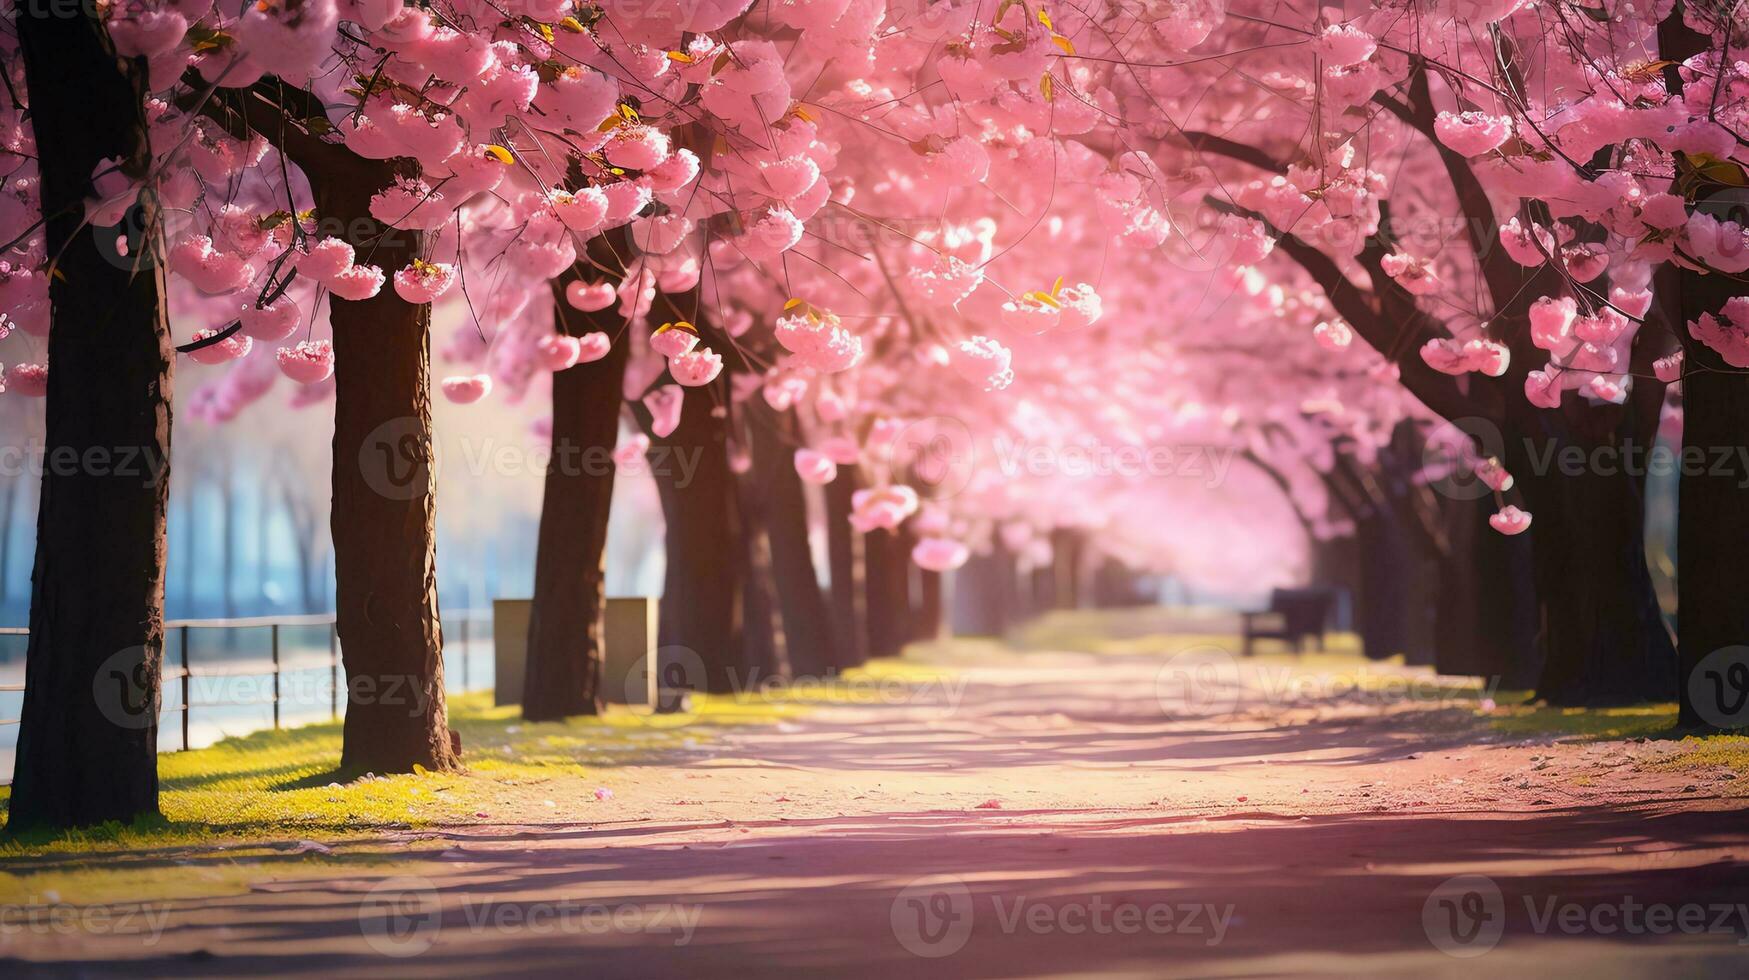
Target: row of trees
{"points": [[981, 251]]}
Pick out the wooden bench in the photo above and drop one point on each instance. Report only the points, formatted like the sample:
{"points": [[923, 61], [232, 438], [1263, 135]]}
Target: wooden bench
{"points": [[1294, 615]]}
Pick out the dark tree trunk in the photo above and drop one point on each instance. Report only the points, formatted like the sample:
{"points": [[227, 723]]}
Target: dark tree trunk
{"points": [[889, 592], [765, 649], [1486, 622], [845, 552], [1383, 623], [1336, 565], [1712, 500], [385, 500], [702, 606], [807, 622], [1396, 606], [88, 738], [1713, 504], [929, 609], [1603, 636], [565, 628]]}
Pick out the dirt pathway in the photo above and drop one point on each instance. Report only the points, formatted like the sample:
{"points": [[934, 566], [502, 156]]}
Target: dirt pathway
{"points": [[1030, 815]]}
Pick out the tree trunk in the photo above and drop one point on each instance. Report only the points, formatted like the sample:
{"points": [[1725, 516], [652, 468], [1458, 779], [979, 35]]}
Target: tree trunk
{"points": [[702, 607], [1486, 622], [807, 622], [1397, 602], [1336, 564], [385, 500], [845, 553], [765, 649], [1382, 619], [889, 592], [1604, 638], [1713, 504], [88, 736], [565, 630], [929, 617]]}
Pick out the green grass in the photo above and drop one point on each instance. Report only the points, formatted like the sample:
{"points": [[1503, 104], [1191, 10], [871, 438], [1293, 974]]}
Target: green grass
{"points": [[275, 785], [1589, 724], [1705, 751]]}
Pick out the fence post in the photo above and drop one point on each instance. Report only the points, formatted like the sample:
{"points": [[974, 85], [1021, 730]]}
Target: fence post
{"points": [[185, 705], [275, 631], [334, 669]]}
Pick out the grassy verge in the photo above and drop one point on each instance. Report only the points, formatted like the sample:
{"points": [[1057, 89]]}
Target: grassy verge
{"points": [[275, 785]]}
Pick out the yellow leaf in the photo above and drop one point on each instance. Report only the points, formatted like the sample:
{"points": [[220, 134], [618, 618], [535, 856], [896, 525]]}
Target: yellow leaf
{"points": [[629, 114], [1057, 287], [1047, 88], [1045, 19], [801, 112], [680, 56], [792, 304], [1063, 42], [572, 25], [500, 154]]}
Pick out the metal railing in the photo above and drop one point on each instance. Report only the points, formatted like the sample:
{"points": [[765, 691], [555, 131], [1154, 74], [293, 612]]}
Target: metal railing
{"points": [[184, 673]]}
